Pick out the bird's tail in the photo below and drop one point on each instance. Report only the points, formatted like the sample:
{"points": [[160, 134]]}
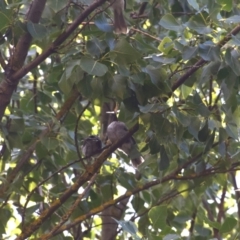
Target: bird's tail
{"points": [[119, 22]]}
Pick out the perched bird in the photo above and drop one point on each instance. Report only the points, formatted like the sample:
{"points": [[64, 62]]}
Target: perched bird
{"points": [[119, 23], [91, 146], [117, 130]]}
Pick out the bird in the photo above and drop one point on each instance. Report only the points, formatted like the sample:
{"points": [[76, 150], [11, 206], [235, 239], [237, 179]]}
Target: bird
{"points": [[119, 23], [91, 146], [117, 130]]}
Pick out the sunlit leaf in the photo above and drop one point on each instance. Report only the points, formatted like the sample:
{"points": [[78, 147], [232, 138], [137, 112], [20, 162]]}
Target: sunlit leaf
{"points": [[158, 216]]}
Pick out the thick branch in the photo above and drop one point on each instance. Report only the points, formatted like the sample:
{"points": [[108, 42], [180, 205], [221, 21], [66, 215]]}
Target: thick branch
{"points": [[90, 171], [17, 60], [7, 87], [70, 211], [201, 62], [110, 203], [23, 71]]}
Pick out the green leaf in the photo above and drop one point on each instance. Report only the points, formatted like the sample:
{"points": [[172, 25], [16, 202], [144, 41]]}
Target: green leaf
{"points": [[203, 231], [203, 134], [124, 53], [209, 52], [172, 237], [162, 127], [15, 140], [228, 225], [232, 130], [200, 106], [50, 143], [210, 141], [232, 59], [154, 145], [193, 128], [37, 31], [5, 19], [166, 45], [157, 75], [209, 70], [96, 47], [158, 216], [163, 60], [43, 97], [93, 67], [41, 151], [235, 40], [232, 19], [170, 23], [226, 5], [128, 226], [181, 117], [57, 5], [102, 23], [198, 24], [189, 52], [72, 75], [194, 4], [119, 86]]}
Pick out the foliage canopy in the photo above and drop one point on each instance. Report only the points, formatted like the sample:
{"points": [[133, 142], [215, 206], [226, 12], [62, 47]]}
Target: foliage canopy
{"points": [[174, 77]]}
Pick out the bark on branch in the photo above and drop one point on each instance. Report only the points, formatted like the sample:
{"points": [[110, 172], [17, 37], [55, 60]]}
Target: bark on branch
{"points": [[17, 70], [28, 153], [90, 171], [8, 85], [171, 176]]}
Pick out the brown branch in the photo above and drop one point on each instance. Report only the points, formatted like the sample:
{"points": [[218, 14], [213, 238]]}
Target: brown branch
{"points": [[46, 179], [146, 34], [70, 211], [171, 176], [211, 218], [109, 225], [201, 62], [142, 8], [8, 85], [165, 198], [23, 71], [108, 216], [17, 72], [192, 225], [28, 153], [221, 205], [90, 171]]}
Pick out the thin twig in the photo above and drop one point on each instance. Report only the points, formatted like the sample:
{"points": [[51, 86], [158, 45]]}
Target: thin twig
{"points": [[70, 211]]}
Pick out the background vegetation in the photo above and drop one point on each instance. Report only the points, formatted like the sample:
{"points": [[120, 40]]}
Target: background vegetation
{"points": [[174, 78]]}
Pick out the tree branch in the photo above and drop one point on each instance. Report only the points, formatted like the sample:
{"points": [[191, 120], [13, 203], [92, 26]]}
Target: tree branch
{"points": [[28, 153], [17, 72], [70, 211], [8, 85], [201, 62], [171, 176], [90, 171]]}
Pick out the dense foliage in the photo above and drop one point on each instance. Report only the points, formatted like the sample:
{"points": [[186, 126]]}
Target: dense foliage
{"points": [[174, 78]]}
